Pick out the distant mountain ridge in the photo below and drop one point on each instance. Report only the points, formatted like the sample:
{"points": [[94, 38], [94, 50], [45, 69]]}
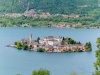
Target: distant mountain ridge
{"points": [[52, 6]]}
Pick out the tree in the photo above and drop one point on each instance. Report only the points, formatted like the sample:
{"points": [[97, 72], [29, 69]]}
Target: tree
{"points": [[63, 38], [18, 74], [97, 63], [69, 41], [41, 50], [88, 46], [78, 42], [19, 45], [41, 72], [38, 39], [25, 47]]}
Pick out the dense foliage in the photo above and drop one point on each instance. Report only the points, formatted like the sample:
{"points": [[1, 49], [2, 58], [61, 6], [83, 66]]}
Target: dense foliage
{"points": [[38, 39], [88, 11], [52, 6], [18, 44], [18, 74], [97, 63], [41, 50], [40, 72], [69, 41], [88, 46], [23, 46], [53, 20]]}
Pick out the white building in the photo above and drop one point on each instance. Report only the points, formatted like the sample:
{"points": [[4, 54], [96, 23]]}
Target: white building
{"points": [[51, 40]]}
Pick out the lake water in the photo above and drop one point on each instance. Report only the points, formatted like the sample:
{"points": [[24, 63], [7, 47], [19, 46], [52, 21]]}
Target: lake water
{"points": [[13, 61]]}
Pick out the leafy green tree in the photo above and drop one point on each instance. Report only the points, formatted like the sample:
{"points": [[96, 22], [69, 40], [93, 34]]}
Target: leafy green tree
{"points": [[68, 41], [38, 39], [18, 74], [97, 63], [88, 46], [41, 50], [25, 46], [19, 45], [41, 72], [78, 42]]}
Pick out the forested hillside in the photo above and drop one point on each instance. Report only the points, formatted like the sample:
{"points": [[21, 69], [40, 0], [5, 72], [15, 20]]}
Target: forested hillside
{"points": [[52, 6], [76, 13]]}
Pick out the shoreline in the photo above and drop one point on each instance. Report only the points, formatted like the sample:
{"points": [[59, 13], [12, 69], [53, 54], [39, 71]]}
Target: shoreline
{"points": [[13, 46], [52, 27]]}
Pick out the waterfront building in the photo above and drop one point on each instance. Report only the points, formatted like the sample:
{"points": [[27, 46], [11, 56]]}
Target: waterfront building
{"points": [[29, 41], [52, 44], [51, 40]]}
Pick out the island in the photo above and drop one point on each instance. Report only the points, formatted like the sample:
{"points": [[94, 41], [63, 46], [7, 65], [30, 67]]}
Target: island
{"points": [[51, 44]]}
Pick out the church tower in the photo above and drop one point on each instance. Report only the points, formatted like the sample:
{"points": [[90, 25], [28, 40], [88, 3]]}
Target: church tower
{"points": [[30, 38]]}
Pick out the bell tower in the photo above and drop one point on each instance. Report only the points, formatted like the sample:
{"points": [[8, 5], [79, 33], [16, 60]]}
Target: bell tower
{"points": [[30, 38]]}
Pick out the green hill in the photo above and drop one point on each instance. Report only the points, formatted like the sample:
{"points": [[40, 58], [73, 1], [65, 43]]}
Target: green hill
{"points": [[52, 6], [87, 10]]}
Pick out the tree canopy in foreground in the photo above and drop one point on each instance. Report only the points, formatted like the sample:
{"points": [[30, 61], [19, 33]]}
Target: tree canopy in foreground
{"points": [[97, 63]]}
